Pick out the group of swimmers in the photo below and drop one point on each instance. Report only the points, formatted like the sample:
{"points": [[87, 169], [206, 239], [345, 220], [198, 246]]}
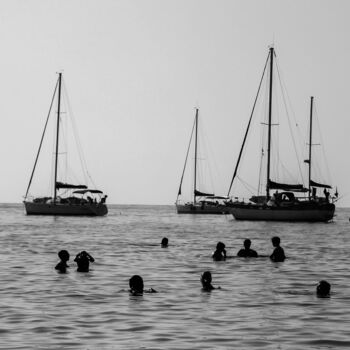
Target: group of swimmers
{"points": [[136, 285], [82, 259], [246, 252], [323, 288]]}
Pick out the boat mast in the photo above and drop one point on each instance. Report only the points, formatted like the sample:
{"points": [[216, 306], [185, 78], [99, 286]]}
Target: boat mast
{"points": [[57, 133], [310, 143], [269, 126], [195, 159]]}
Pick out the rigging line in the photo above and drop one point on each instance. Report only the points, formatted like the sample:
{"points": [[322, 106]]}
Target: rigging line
{"points": [[300, 134], [246, 133], [81, 156], [286, 91], [208, 165], [289, 122], [322, 144], [188, 150], [260, 169], [249, 187], [42, 139]]}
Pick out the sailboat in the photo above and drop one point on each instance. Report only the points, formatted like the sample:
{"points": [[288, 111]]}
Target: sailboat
{"points": [[286, 205], [66, 198], [203, 203]]}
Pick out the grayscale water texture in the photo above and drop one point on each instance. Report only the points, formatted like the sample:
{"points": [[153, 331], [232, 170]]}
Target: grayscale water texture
{"points": [[261, 304]]}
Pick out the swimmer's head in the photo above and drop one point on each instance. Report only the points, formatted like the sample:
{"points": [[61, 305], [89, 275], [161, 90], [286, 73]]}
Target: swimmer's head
{"points": [[164, 242], [275, 241], [206, 278], [63, 255], [136, 284], [247, 243], [220, 246], [323, 288]]}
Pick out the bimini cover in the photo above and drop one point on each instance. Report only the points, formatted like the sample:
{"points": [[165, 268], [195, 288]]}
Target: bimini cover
{"points": [[63, 185]]}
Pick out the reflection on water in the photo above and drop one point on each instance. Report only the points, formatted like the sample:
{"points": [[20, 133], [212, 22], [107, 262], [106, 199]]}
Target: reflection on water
{"points": [[261, 304]]}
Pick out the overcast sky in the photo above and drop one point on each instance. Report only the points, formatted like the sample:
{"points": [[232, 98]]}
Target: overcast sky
{"points": [[135, 70]]}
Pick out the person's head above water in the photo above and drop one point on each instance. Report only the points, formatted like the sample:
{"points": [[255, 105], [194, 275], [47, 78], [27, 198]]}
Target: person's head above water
{"points": [[220, 246], [83, 260], [63, 255], [164, 242], [136, 284], [206, 279], [275, 241], [247, 243], [62, 265], [323, 288]]}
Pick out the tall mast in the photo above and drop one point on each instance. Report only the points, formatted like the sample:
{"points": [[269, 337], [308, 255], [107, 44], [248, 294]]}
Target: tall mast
{"points": [[269, 126], [310, 143], [57, 132], [195, 159]]}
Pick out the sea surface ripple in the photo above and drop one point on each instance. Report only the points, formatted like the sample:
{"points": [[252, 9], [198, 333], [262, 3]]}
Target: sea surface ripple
{"points": [[261, 304]]}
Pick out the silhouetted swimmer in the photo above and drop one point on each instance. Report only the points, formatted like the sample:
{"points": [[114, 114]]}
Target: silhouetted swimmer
{"points": [[62, 265], [220, 252], [83, 260], [206, 282], [323, 289], [136, 286], [164, 242], [278, 253], [247, 252]]}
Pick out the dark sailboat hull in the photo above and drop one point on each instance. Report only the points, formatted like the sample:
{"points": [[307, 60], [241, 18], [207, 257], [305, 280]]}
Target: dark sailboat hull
{"points": [[86, 209], [199, 209], [298, 213]]}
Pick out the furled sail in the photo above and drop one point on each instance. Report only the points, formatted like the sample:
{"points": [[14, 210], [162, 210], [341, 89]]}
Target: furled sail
{"points": [[60, 185], [202, 194], [287, 187], [86, 191], [316, 184]]}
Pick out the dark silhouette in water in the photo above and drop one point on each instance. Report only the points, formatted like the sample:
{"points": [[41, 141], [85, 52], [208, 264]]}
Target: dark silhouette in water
{"points": [[247, 252], [220, 252], [136, 286], [206, 282], [323, 289], [62, 265], [164, 242], [278, 253], [83, 260]]}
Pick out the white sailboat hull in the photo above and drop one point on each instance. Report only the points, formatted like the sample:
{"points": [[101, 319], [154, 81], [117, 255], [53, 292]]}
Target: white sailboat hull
{"points": [[199, 209], [256, 212], [65, 209]]}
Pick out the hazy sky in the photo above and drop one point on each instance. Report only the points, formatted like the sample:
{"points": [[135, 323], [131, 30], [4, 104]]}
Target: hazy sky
{"points": [[135, 70]]}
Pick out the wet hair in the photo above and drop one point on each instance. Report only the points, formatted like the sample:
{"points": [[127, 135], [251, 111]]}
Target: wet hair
{"points": [[83, 260], [275, 241], [164, 242], [220, 246], [206, 278], [63, 255], [136, 284], [323, 288], [247, 243]]}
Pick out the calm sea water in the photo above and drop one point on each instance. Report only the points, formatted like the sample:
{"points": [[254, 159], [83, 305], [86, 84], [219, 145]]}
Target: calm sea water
{"points": [[261, 304]]}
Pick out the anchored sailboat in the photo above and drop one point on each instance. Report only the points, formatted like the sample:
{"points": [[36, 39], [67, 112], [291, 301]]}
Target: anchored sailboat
{"points": [[203, 203], [285, 205], [66, 198]]}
